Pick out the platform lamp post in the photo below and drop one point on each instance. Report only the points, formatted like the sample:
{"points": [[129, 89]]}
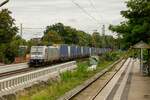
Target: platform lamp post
{"points": [[4, 2]]}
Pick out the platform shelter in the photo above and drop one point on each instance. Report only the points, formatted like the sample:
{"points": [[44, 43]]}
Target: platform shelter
{"points": [[141, 45]]}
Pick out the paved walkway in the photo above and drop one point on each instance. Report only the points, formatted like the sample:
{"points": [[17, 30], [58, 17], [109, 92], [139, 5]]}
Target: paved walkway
{"points": [[139, 86], [127, 84]]}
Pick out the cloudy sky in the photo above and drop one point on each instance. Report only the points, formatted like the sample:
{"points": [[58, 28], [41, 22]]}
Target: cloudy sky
{"points": [[40, 13]]}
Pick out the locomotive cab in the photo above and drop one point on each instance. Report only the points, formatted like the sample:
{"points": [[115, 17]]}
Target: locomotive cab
{"points": [[38, 55]]}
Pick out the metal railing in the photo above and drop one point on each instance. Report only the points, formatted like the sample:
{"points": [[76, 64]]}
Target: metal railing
{"points": [[14, 83]]}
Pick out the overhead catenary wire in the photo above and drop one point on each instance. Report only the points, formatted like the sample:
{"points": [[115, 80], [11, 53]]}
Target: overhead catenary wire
{"points": [[32, 28], [91, 16], [86, 12], [93, 6], [4, 2]]}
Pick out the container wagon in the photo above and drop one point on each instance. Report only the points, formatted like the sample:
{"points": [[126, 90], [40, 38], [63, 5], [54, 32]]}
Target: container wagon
{"points": [[79, 52], [41, 55], [64, 52], [53, 54], [73, 51]]}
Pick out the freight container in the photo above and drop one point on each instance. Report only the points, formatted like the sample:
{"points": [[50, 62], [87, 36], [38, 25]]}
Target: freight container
{"points": [[88, 52], [64, 52], [85, 51], [73, 51], [79, 51], [53, 53], [92, 51], [97, 51], [100, 52], [103, 50]]}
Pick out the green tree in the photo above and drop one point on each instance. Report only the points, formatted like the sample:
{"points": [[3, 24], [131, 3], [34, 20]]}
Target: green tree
{"points": [[67, 34], [136, 27], [59, 33], [7, 27], [16, 42], [7, 32], [58, 27], [84, 39], [110, 42], [30, 43], [51, 37], [71, 36], [96, 39]]}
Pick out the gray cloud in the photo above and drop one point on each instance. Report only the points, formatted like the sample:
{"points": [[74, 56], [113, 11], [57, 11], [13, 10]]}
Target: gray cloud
{"points": [[40, 13]]}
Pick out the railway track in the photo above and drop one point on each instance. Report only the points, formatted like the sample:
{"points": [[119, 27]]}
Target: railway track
{"points": [[16, 69], [93, 89], [13, 83], [15, 72], [13, 67]]}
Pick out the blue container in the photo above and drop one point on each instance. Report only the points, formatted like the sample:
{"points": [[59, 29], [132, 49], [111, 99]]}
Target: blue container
{"points": [[73, 51], [97, 51], [84, 51], [79, 52], [87, 51], [100, 51], [92, 51], [103, 50], [64, 54]]}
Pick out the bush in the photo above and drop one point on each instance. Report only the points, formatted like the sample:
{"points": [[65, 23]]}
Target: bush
{"points": [[111, 56]]}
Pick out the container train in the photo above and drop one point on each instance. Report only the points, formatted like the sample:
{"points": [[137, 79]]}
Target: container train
{"points": [[42, 55]]}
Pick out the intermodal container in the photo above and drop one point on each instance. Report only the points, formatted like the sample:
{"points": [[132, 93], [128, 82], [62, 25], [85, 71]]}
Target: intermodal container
{"points": [[64, 51], [73, 51]]}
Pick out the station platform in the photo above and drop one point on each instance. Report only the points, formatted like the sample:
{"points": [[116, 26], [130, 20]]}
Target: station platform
{"points": [[128, 84], [139, 85]]}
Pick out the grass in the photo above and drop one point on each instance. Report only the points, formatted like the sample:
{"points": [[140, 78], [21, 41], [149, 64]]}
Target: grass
{"points": [[68, 80]]}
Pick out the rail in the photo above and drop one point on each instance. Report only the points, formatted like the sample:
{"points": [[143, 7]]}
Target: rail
{"points": [[14, 83], [12, 67], [72, 93]]}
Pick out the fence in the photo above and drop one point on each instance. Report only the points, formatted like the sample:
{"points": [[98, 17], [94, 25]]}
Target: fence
{"points": [[14, 83]]}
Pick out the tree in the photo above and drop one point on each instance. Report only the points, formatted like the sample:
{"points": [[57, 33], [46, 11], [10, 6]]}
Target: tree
{"points": [[136, 27], [16, 42], [58, 27], [84, 39], [51, 37], [71, 36], [7, 28], [96, 39], [7, 32], [59, 33], [67, 34]]}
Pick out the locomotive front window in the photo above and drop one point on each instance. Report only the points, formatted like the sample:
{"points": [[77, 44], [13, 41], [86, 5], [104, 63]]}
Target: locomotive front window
{"points": [[36, 53]]}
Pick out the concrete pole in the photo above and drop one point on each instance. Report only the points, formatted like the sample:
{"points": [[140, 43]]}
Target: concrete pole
{"points": [[141, 67], [21, 29]]}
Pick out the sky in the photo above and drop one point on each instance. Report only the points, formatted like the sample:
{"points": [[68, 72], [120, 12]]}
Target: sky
{"points": [[41, 13]]}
